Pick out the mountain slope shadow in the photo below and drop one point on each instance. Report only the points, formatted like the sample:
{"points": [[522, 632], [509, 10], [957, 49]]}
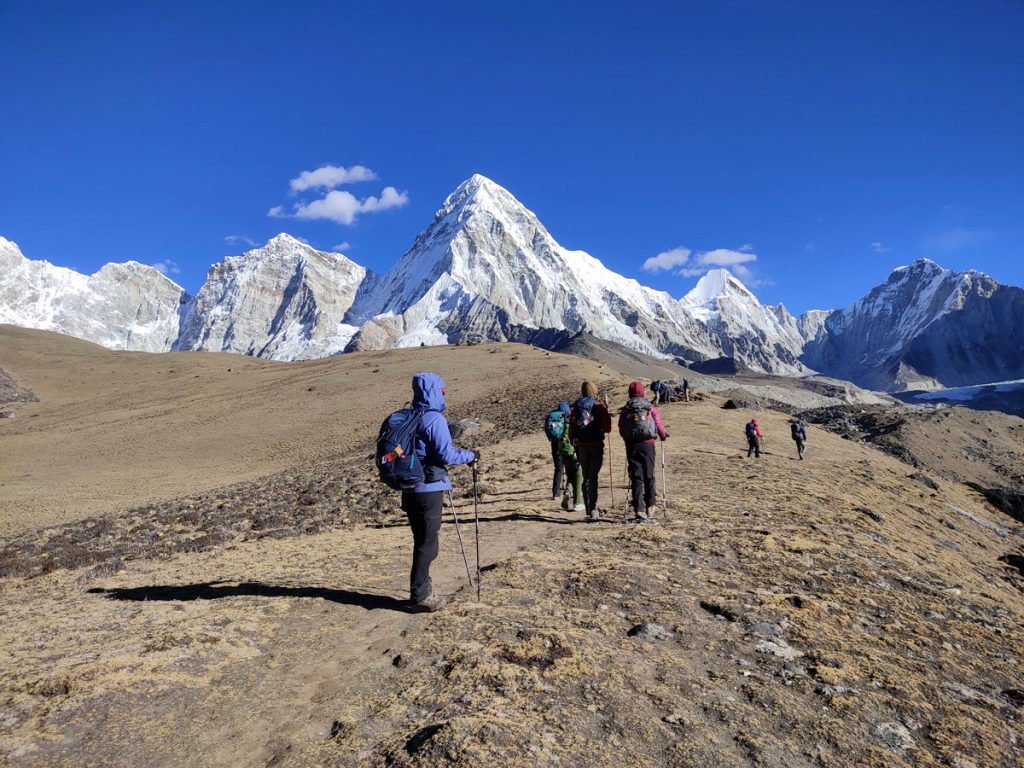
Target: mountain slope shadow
{"points": [[215, 590]]}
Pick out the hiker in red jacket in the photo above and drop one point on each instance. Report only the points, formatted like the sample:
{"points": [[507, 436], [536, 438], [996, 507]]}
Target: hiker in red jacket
{"points": [[589, 422], [753, 439], [639, 425]]}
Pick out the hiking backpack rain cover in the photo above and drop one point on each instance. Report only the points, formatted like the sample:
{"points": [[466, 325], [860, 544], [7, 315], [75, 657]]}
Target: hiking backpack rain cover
{"points": [[640, 425], [584, 427], [396, 456], [554, 426]]}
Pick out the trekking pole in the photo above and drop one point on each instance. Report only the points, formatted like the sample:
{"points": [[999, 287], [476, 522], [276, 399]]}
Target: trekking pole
{"points": [[476, 518], [611, 472], [458, 530], [664, 478]]}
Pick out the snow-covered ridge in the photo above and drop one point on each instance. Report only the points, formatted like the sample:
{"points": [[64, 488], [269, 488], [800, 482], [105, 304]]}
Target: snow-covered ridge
{"points": [[487, 266]]}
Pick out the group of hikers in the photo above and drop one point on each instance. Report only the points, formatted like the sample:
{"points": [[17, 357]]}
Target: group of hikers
{"points": [[663, 392], [576, 434], [414, 449], [755, 438]]}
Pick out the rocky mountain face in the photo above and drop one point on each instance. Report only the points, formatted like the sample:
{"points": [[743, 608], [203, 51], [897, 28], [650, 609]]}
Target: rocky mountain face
{"points": [[122, 306], [923, 328], [284, 301], [486, 267]]}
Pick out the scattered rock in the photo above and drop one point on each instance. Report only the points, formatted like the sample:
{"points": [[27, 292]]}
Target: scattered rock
{"points": [[400, 661], [895, 736], [780, 649], [831, 691], [734, 403], [674, 719], [924, 480], [6, 414], [650, 632], [1016, 696], [873, 515], [765, 629]]}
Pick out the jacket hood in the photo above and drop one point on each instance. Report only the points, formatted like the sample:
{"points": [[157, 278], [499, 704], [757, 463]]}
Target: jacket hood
{"points": [[427, 392], [564, 407]]}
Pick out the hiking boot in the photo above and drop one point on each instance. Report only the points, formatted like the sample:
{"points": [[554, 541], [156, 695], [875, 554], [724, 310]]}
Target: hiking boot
{"points": [[566, 503], [593, 515], [579, 508], [430, 604], [651, 511], [644, 520]]}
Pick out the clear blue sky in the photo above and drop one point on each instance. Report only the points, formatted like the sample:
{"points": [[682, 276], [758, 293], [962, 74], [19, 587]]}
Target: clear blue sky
{"points": [[835, 140]]}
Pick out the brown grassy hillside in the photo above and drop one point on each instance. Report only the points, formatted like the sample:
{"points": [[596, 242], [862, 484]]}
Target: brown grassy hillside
{"points": [[830, 612]]}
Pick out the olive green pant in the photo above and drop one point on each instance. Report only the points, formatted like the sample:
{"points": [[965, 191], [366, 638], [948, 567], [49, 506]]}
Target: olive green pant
{"points": [[573, 477]]}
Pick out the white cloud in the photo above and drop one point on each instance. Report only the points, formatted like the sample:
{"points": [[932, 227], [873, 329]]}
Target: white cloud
{"points": [[331, 177], [342, 247], [667, 260], [747, 248], [239, 240], [167, 267], [343, 207], [277, 212], [877, 247]]}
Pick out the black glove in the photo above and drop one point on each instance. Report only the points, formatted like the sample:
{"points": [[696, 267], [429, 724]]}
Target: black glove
{"points": [[476, 457], [665, 437]]}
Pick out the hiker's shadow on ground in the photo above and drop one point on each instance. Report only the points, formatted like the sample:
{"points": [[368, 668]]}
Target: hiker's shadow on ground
{"points": [[215, 590]]}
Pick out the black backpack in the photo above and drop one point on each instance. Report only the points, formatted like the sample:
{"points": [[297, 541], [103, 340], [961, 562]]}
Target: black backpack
{"points": [[396, 454], [584, 427], [639, 423], [751, 429]]}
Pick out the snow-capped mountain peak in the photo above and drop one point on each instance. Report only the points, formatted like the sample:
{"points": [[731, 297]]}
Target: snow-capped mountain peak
{"points": [[714, 285]]}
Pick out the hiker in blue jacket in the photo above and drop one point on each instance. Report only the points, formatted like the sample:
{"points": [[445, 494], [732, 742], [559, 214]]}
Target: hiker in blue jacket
{"points": [[423, 504]]}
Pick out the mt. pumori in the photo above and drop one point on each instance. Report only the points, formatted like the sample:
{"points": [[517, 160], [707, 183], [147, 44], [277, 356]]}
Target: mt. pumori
{"points": [[487, 266]]}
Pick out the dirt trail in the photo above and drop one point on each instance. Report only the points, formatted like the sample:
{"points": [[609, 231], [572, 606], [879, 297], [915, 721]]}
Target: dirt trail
{"points": [[296, 666]]}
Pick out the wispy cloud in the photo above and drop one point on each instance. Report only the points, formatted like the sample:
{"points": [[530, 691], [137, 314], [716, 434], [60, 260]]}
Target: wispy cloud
{"points": [[877, 247], [954, 240], [811, 247], [330, 177], [167, 267], [667, 260], [239, 240], [341, 206], [685, 263], [342, 247], [337, 205]]}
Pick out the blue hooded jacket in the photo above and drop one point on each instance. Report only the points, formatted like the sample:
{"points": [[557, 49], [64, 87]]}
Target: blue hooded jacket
{"points": [[434, 440]]}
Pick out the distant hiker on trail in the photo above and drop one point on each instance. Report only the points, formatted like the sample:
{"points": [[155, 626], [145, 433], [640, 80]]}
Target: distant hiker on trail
{"points": [[656, 390], [556, 426], [589, 422], [572, 498], [799, 432], [686, 390], [754, 436], [639, 425], [420, 474]]}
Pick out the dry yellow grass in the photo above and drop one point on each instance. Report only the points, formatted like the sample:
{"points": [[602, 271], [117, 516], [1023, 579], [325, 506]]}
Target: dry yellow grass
{"points": [[902, 622]]}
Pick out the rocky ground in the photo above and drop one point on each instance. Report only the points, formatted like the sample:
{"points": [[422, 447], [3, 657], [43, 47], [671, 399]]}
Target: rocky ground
{"points": [[829, 612]]}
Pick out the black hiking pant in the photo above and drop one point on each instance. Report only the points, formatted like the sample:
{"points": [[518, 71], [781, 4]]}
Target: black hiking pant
{"points": [[556, 457], [591, 458], [801, 446], [642, 482], [753, 446], [424, 513]]}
